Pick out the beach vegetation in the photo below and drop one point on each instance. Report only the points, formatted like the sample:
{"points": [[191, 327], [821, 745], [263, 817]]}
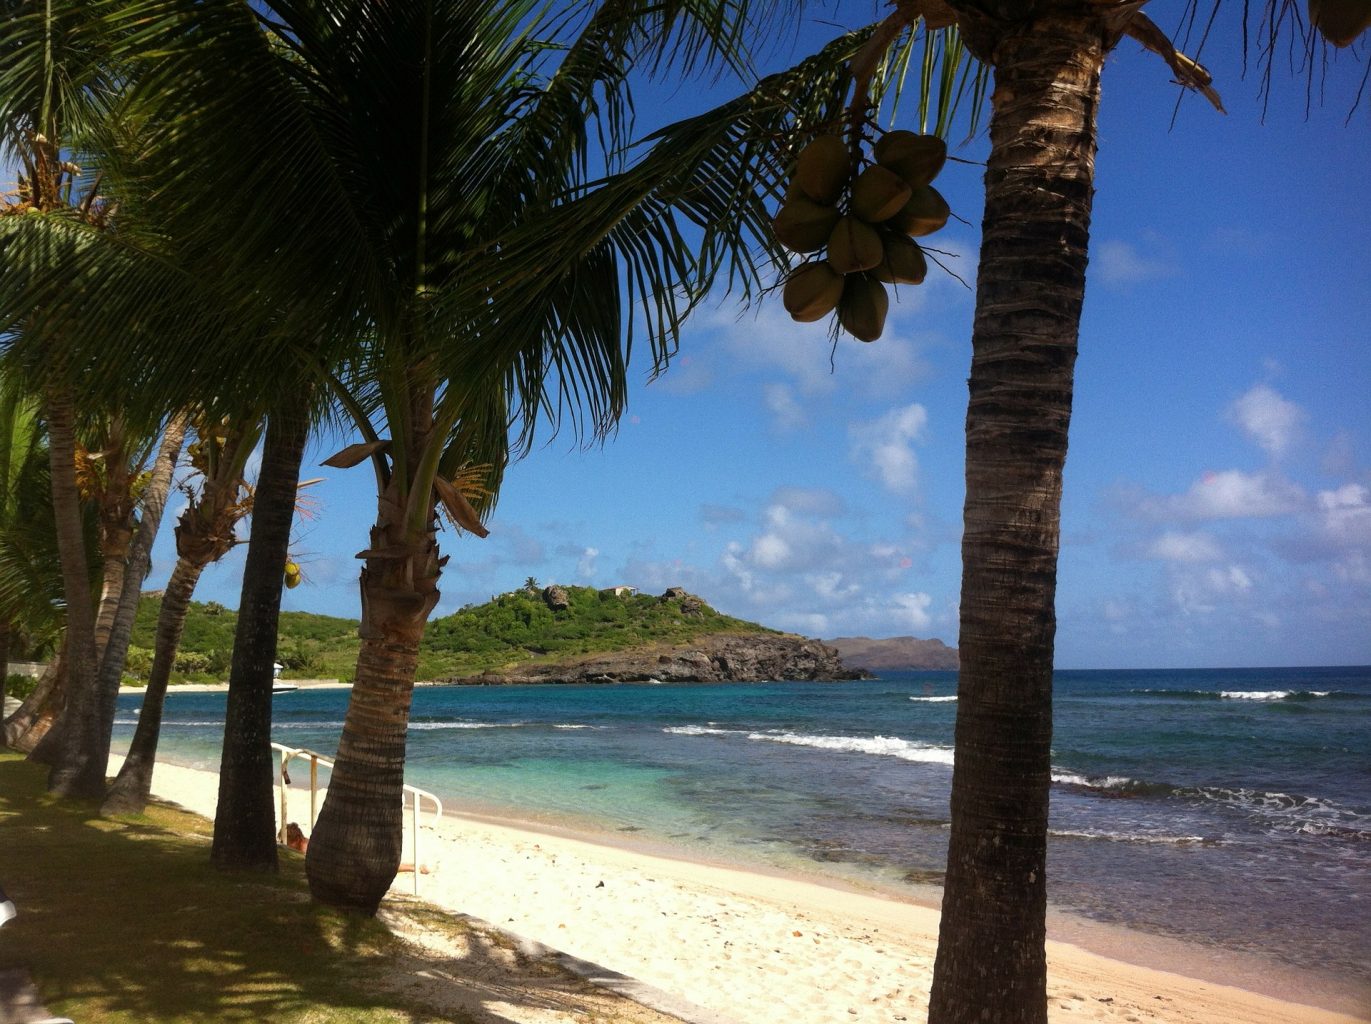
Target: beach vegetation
{"points": [[56, 84], [437, 258], [19, 686]]}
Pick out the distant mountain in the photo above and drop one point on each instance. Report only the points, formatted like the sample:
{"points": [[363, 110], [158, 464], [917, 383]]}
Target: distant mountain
{"points": [[895, 653]]}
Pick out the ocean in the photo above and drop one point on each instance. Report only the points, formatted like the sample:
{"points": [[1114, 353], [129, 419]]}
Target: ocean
{"points": [[1226, 807]]}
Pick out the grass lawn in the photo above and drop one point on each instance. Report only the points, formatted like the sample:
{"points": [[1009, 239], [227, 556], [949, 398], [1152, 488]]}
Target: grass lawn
{"points": [[126, 921]]}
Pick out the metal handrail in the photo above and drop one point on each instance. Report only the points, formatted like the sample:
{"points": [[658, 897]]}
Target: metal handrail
{"points": [[415, 803]]}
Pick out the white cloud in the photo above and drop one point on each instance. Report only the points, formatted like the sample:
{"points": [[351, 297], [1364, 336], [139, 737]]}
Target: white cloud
{"points": [[912, 609], [800, 360], [1268, 419], [770, 551], [780, 400], [798, 569], [585, 565], [1346, 514], [1185, 547], [1353, 568], [1230, 494], [885, 446], [1232, 580], [1201, 593], [1120, 263], [832, 586]]}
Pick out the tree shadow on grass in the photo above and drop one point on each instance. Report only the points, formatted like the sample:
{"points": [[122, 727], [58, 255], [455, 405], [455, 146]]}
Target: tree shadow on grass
{"points": [[126, 920]]}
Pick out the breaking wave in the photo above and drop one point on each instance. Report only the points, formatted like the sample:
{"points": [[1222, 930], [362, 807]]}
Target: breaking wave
{"points": [[881, 746], [1259, 695], [1152, 838]]}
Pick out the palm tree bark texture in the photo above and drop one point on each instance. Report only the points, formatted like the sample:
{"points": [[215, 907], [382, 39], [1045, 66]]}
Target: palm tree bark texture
{"points": [[991, 962], [131, 787], [154, 503], [75, 771], [245, 819], [355, 850]]}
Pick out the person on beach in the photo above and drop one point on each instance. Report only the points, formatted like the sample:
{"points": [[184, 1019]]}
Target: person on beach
{"points": [[295, 838]]}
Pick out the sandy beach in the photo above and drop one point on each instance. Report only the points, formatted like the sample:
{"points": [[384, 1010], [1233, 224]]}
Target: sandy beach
{"points": [[712, 943]]}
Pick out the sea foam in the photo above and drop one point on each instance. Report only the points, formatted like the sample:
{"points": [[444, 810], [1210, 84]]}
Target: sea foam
{"points": [[885, 746], [1271, 694], [880, 746], [431, 726]]}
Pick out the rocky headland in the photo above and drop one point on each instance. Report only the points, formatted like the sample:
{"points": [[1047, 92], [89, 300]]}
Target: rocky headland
{"points": [[713, 658]]}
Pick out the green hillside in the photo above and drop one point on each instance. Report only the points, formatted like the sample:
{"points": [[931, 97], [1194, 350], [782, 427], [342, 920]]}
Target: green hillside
{"points": [[516, 627], [309, 646]]}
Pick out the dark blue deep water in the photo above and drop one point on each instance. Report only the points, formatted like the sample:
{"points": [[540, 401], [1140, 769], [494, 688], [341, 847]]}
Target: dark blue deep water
{"points": [[1229, 807]]}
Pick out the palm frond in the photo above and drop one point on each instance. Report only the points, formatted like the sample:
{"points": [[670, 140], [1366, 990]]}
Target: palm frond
{"points": [[649, 243]]}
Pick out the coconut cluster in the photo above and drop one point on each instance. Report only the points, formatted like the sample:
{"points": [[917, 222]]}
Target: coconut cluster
{"points": [[860, 218], [1340, 21]]}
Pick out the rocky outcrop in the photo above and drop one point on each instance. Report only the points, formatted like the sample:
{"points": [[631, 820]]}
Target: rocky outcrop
{"points": [[897, 653], [716, 658], [556, 598]]}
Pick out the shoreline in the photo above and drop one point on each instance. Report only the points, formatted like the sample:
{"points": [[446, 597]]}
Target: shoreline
{"points": [[755, 945], [299, 684]]}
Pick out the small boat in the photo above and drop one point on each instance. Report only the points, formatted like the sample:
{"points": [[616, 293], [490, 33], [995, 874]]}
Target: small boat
{"points": [[280, 687]]}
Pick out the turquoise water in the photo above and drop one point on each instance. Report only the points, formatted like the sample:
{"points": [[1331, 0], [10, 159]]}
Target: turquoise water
{"points": [[1230, 807]]}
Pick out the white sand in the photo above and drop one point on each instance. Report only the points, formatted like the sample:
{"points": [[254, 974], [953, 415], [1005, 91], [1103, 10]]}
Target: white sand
{"points": [[749, 948]]}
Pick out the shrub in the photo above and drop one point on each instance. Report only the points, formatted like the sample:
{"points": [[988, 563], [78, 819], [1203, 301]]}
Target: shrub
{"points": [[191, 663], [19, 687], [138, 661]]}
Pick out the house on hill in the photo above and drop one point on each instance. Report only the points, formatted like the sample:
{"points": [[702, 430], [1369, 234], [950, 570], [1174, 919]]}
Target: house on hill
{"points": [[620, 591]]}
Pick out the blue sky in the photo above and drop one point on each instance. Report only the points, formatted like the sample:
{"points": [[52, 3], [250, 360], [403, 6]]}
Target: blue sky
{"points": [[1218, 488]]}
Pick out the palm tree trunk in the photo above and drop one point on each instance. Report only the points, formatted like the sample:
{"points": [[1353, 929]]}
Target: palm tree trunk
{"points": [[354, 852], [154, 502], [245, 820], [4, 667], [991, 962], [116, 531], [129, 793], [77, 771], [40, 710], [116, 651], [114, 569]]}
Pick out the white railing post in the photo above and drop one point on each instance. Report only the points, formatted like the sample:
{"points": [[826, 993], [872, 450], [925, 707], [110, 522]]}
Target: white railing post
{"points": [[281, 781], [288, 754]]}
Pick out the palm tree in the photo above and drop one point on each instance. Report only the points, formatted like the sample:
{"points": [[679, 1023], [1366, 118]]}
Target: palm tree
{"points": [[205, 533], [386, 259], [46, 103], [151, 504], [1047, 57], [245, 818]]}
